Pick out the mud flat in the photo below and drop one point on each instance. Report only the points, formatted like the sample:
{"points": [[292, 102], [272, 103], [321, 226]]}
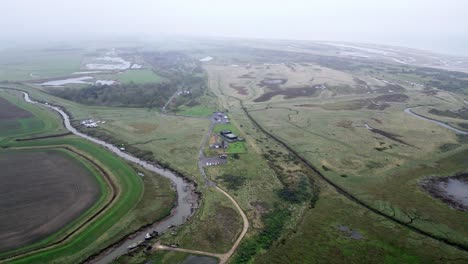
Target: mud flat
{"points": [[452, 190]]}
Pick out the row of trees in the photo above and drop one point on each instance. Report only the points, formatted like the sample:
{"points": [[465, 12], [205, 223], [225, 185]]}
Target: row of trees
{"points": [[124, 95]]}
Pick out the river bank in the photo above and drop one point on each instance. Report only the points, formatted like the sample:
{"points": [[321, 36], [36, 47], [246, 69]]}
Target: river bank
{"points": [[187, 197]]}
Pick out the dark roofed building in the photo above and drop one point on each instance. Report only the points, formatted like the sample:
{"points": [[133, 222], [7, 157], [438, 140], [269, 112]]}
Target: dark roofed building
{"points": [[225, 132], [230, 136]]}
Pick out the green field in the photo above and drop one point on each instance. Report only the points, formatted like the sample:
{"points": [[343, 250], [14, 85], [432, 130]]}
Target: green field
{"points": [[236, 148], [198, 110], [42, 122], [139, 76], [20, 65]]}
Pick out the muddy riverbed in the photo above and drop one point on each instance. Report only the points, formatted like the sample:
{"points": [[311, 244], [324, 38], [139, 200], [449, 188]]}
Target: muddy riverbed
{"points": [[187, 198], [452, 190]]}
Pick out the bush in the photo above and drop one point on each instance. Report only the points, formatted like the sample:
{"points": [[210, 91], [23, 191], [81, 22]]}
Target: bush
{"points": [[274, 224], [233, 182]]}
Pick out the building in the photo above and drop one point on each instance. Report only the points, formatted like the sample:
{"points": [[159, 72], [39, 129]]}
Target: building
{"points": [[224, 132], [230, 136]]}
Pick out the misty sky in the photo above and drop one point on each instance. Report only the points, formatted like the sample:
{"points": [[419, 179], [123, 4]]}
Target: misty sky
{"points": [[417, 23]]}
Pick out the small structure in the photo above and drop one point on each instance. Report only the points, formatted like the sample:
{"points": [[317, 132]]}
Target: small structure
{"points": [[185, 92], [90, 123], [225, 132], [229, 136]]}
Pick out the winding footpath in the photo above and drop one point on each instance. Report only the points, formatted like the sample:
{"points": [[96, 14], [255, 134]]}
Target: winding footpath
{"points": [[223, 258]]}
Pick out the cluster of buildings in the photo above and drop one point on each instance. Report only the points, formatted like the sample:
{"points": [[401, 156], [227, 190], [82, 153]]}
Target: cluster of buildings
{"points": [[220, 117], [185, 92]]}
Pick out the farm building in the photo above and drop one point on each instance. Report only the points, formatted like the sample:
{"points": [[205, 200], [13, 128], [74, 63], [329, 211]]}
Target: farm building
{"points": [[229, 136]]}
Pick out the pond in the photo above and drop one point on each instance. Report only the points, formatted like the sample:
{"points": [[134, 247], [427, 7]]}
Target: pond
{"points": [[451, 190]]}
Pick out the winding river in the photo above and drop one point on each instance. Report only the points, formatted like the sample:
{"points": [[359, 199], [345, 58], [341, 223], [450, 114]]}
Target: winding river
{"points": [[187, 199], [442, 124]]}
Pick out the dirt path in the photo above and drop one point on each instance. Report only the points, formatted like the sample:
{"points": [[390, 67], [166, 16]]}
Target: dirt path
{"points": [[223, 258]]}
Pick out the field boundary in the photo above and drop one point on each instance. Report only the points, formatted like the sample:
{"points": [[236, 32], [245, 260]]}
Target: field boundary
{"points": [[113, 196]]}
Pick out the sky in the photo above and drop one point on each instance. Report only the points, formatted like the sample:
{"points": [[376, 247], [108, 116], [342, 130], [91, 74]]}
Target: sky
{"points": [[431, 24]]}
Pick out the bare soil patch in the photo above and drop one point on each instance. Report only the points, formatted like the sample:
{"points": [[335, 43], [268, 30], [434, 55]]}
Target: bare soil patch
{"points": [[246, 76], [242, 90], [11, 111], [345, 124], [41, 191], [272, 83], [143, 128], [392, 136], [289, 93]]}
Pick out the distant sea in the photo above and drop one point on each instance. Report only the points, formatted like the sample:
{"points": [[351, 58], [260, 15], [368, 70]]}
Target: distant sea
{"points": [[450, 45]]}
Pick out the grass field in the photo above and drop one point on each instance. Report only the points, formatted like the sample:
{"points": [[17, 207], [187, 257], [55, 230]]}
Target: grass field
{"points": [[199, 110], [214, 228], [236, 148], [338, 231], [37, 121], [20, 65]]}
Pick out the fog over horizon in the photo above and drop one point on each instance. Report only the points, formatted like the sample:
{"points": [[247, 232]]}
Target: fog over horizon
{"points": [[434, 25]]}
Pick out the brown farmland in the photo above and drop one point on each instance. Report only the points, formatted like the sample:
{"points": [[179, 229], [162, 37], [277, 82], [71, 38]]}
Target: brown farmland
{"points": [[11, 111], [40, 192]]}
